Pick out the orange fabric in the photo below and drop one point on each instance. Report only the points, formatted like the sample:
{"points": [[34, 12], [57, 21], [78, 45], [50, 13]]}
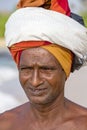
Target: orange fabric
{"points": [[56, 5], [16, 48], [30, 3], [60, 6], [63, 55]]}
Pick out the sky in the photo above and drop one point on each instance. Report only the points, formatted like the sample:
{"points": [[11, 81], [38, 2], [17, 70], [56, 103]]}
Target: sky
{"points": [[7, 5]]}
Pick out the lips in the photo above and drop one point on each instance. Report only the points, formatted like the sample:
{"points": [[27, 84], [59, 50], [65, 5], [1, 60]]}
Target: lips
{"points": [[37, 91]]}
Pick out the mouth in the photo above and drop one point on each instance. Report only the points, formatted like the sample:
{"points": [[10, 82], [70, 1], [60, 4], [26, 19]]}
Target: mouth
{"points": [[37, 91]]}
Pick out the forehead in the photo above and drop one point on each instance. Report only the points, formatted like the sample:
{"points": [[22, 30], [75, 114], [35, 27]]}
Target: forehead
{"points": [[37, 55]]}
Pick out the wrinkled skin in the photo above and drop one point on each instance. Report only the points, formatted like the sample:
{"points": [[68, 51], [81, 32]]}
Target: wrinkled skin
{"points": [[41, 76], [43, 80]]}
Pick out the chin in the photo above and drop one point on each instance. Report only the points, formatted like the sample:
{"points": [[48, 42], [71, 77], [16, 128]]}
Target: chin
{"points": [[44, 100], [38, 100]]}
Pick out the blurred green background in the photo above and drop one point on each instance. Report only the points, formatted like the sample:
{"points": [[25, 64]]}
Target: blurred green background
{"points": [[3, 19], [84, 15]]}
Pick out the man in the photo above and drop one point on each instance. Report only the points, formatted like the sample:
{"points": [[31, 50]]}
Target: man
{"points": [[46, 46]]}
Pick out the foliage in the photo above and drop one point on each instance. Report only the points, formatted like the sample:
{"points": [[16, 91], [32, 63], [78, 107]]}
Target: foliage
{"points": [[3, 19], [84, 15]]}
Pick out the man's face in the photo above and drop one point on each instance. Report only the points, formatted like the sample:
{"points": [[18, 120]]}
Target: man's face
{"points": [[41, 76]]}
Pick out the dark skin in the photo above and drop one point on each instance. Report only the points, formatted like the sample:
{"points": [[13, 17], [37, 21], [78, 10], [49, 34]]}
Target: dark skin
{"points": [[43, 81]]}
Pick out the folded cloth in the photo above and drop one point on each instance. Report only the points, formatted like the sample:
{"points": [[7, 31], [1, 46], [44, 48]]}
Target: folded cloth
{"points": [[61, 6], [63, 55], [38, 24]]}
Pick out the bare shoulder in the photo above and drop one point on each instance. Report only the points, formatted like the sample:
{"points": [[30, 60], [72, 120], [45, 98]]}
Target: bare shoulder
{"points": [[81, 119], [10, 118], [6, 119], [79, 114], [76, 107]]}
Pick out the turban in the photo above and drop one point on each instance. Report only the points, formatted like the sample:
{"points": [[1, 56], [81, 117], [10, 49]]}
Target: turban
{"points": [[64, 56], [40, 27], [56, 5]]}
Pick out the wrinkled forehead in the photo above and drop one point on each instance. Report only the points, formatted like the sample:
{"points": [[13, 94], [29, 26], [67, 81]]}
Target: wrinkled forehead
{"points": [[37, 55]]}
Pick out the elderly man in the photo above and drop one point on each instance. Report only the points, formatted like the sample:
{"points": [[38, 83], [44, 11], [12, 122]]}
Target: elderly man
{"points": [[47, 46]]}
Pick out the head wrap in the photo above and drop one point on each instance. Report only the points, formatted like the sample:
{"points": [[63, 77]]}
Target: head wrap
{"points": [[38, 24], [56, 5], [61, 6], [64, 56]]}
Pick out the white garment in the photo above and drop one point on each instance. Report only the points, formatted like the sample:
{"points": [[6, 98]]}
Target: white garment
{"points": [[38, 24]]}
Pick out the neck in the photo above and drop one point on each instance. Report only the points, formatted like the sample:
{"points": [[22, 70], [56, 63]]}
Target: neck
{"points": [[50, 111]]}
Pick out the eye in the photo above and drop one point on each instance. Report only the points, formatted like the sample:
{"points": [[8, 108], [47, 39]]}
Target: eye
{"points": [[46, 68], [25, 70]]}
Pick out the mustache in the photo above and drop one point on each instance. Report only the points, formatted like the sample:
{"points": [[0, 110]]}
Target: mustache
{"points": [[39, 87]]}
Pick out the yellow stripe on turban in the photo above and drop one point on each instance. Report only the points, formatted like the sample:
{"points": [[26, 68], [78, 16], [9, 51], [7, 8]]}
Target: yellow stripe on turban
{"points": [[63, 55]]}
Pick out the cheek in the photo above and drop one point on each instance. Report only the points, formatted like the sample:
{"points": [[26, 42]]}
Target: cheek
{"points": [[57, 81], [22, 79]]}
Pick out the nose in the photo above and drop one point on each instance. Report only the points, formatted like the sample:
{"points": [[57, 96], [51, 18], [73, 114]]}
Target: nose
{"points": [[35, 79]]}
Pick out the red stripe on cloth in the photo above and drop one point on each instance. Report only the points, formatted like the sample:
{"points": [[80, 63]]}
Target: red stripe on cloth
{"points": [[61, 6], [65, 5], [17, 48]]}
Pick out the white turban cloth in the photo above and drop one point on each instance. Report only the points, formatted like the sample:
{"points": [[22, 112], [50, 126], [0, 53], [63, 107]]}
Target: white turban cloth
{"points": [[39, 24]]}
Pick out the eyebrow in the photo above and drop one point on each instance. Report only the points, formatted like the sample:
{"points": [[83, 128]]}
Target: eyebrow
{"points": [[40, 66]]}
